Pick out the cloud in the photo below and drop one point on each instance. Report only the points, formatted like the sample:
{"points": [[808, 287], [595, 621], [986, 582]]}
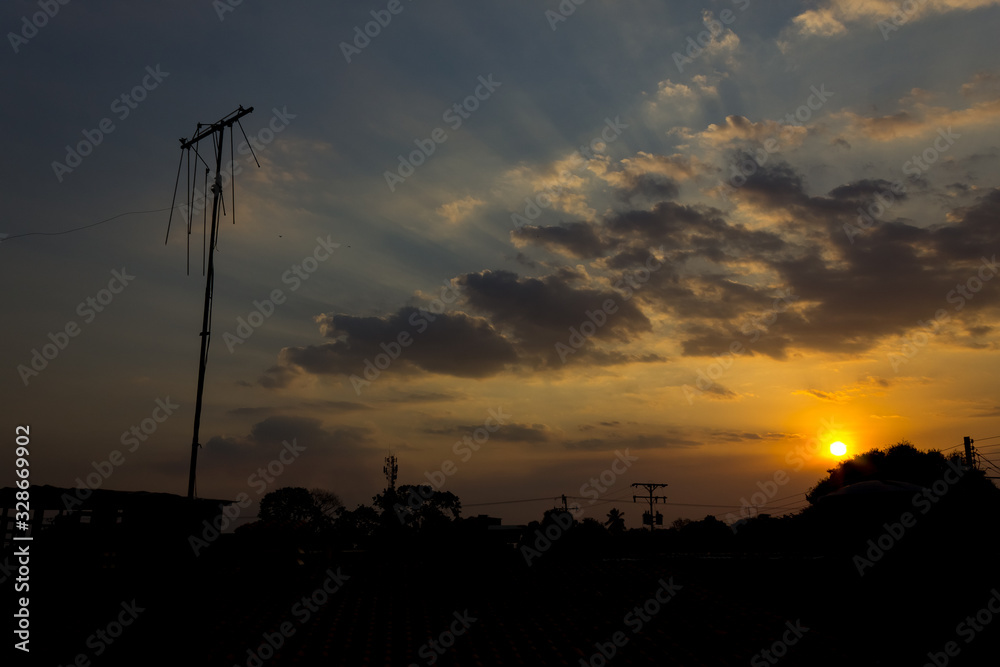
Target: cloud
{"points": [[718, 392], [865, 190], [631, 441], [423, 397], [538, 313], [830, 17], [576, 239], [918, 118], [985, 84], [512, 432], [459, 209], [268, 438], [834, 397], [742, 129], [454, 344], [515, 322]]}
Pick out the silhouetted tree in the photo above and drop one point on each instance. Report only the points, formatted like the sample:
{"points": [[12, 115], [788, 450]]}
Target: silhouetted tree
{"points": [[288, 505], [901, 462], [328, 506], [358, 526], [418, 505], [616, 521]]}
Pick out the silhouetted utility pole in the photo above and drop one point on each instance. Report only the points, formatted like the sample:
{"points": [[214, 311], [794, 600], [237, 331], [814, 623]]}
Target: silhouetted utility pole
{"points": [[969, 460], [187, 145], [650, 487]]}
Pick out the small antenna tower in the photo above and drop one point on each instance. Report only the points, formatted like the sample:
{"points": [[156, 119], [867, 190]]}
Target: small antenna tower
{"points": [[391, 470], [216, 131]]}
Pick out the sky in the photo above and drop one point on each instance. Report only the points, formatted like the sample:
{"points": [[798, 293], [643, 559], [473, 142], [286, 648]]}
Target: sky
{"points": [[529, 248]]}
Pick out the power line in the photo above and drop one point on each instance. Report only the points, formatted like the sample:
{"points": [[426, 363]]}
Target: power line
{"points": [[508, 502], [93, 224], [732, 507], [794, 495], [989, 462]]}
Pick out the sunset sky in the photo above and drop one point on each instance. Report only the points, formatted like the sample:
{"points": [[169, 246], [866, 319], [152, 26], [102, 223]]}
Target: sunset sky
{"points": [[710, 234]]}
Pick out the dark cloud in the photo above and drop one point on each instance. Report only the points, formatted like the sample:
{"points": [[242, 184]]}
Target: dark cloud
{"points": [[518, 322], [335, 406], [651, 186], [449, 343], [741, 436], [637, 441], [513, 432], [813, 280], [866, 190], [278, 376], [719, 392], [975, 234], [822, 395], [851, 295], [667, 223], [423, 397], [268, 438], [252, 412], [538, 313], [576, 239], [326, 406]]}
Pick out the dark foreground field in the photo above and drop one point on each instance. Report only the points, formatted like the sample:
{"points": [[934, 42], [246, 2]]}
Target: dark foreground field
{"points": [[662, 610]]}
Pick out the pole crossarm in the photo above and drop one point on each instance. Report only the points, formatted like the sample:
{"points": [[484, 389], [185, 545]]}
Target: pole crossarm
{"points": [[651, 499], [215, 127]]}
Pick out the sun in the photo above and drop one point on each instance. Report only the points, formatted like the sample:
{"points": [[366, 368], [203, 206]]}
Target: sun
{"points": [[838, 448]]}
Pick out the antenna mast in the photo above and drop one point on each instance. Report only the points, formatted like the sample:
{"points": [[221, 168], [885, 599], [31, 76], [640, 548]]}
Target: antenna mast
{"points": [[202, 132], [391, 470]]}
